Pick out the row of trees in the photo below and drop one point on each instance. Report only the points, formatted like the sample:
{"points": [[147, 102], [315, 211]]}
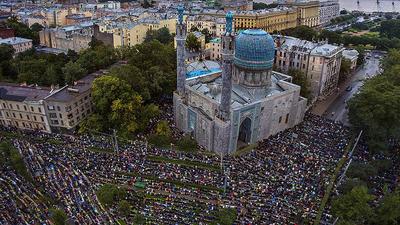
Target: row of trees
{"points": [[376, 108], [46, 69]]}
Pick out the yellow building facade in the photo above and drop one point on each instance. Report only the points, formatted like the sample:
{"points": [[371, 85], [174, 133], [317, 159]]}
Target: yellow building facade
{"points": [[135, 33], [307, 13], [267, 20]]}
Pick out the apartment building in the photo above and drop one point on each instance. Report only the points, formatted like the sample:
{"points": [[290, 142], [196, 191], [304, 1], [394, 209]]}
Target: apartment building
{"points": [[23, 107], [307, 12], [74, 37], [69, 105], [214, 48], [135, 33], [320, 62], [328, 10], [352, 56], [19, 44], [270, 20], [215, 25]]}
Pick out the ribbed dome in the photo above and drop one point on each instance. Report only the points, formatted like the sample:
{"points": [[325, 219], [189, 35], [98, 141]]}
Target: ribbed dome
{"points": [[254, 49]]}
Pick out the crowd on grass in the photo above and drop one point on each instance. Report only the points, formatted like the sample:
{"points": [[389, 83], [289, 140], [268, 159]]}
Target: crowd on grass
{"points": [[281, 181]]}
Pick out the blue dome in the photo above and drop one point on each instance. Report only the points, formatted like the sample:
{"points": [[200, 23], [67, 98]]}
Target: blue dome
{"points": [[254, 49]]}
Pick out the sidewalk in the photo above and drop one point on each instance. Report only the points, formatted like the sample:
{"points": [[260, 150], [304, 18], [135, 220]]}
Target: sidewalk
{"points": [[322, 105]]}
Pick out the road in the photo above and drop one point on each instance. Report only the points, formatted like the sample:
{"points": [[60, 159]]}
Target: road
{"points": [[337, 110]]}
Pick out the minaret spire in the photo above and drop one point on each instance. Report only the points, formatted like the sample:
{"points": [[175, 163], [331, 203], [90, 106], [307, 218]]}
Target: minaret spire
{"points": [[180, 51], [227, 61]]}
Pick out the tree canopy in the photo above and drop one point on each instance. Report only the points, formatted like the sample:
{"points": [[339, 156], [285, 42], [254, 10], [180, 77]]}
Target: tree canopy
{"points": [[300, 79], [376, 108], [192, 43], [162, 35], [353, 207]]}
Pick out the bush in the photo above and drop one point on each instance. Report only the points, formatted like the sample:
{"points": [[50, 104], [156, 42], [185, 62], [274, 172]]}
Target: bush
{"points": [[160, 141], [362, 171], [58, 216], [109, 194], [187, 144]]}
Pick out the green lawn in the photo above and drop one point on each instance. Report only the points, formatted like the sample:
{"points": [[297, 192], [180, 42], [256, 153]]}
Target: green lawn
{"points": [[101, 150]]}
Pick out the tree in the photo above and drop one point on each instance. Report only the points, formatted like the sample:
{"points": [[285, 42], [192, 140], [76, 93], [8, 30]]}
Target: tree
{"points": [[124, 208], [162, 35], [207, 34], [22, 30], [390, 28], [300, 79], [353, 207], [151, 70], [388, 211], [95, 43], [333, 37], [163, 129], [118, 107], [226, 216], [187, 144], [376, 109], [6, 55], [361, 171], [345, 70], [36, 27], [302, 32], [192, 43], [73, 71], [261, 5], [109, 194], [58, 216]]}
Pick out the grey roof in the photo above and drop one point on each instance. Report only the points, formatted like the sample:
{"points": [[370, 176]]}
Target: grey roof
{"points": [[14, 92], [70, 92], [14, 40], [241, 95]]}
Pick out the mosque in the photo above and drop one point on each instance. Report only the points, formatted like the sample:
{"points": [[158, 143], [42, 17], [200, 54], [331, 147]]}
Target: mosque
{"points": [[239, 101]]}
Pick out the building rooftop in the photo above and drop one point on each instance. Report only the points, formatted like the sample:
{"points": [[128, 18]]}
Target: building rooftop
{"points": [[15, 92], [210, 85], [316, 48], [14, 40]]}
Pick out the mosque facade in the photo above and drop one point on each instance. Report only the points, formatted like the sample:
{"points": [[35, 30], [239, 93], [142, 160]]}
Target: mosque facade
{"points": [[238, 101]]}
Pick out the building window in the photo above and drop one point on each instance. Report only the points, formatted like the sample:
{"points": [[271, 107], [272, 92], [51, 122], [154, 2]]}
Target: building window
{"points": [[40, 110], [4, 105], [32, 109], [42, 118], [18, 107], [287, 118], [280, 119], [34, 118], [25, 108], [50, 107], [58, 108], [20, 115], [53, 115]]}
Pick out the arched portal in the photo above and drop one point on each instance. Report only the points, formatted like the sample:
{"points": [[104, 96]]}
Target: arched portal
{"points": [[244, 137]]}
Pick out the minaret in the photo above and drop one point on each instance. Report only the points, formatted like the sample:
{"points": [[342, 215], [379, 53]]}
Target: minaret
{"points": [[180, 52], [227, 61]]}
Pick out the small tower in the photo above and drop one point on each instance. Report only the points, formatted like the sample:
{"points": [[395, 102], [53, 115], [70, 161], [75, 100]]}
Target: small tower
{"points": [[227, 62], [180, 52]]}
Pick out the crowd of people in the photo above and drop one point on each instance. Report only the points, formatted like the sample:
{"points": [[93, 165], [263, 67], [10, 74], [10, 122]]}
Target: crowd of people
{"points": [[282, 181]]}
